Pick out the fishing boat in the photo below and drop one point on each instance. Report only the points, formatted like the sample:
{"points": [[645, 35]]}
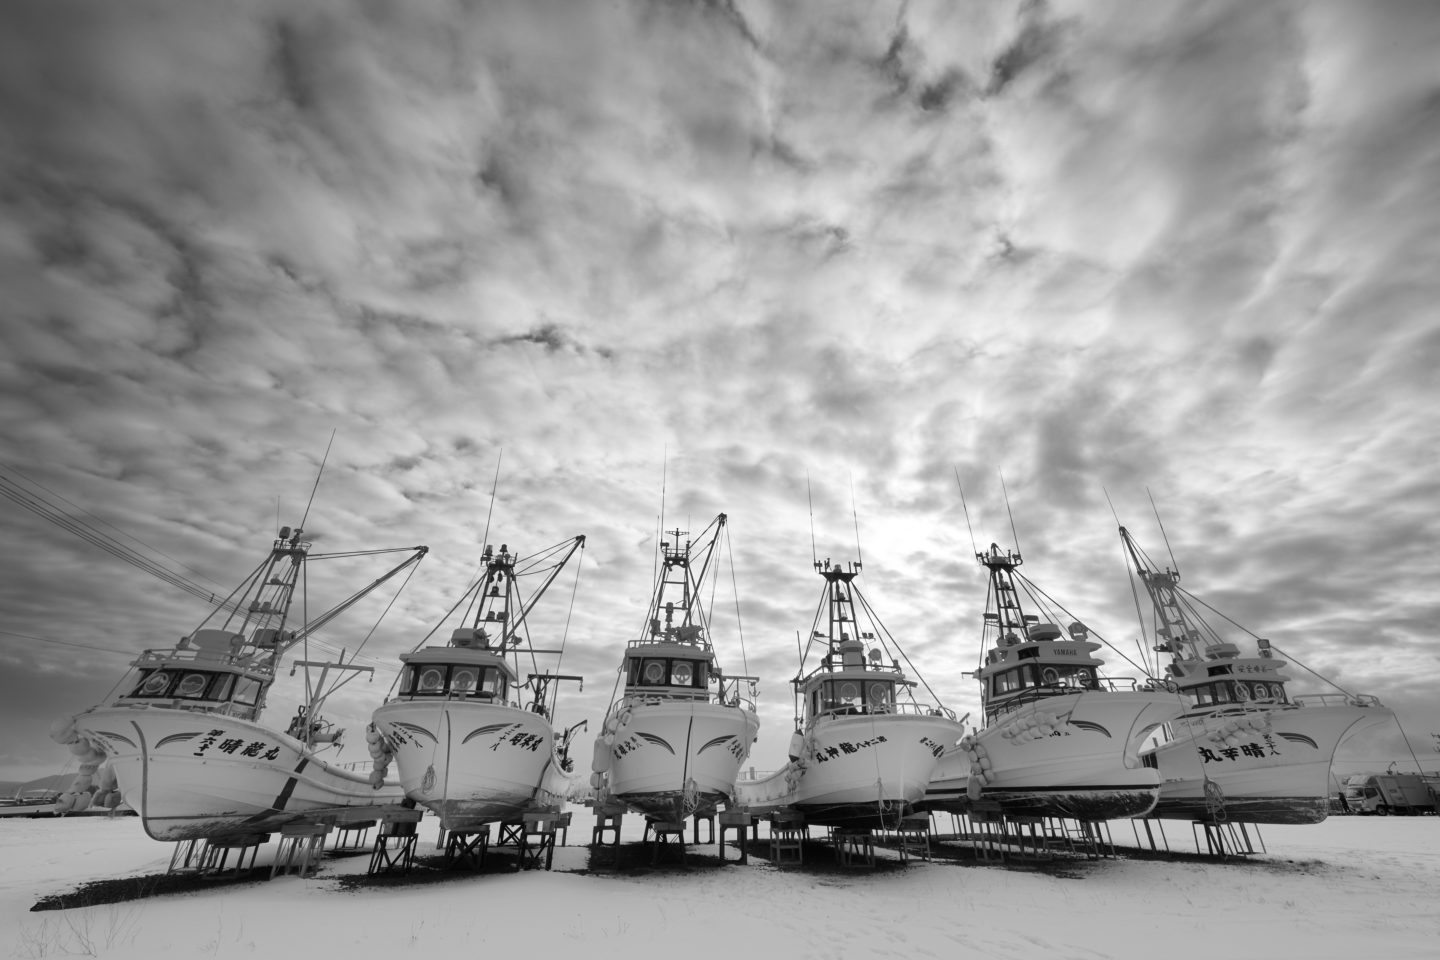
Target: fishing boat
{"points": [[673, 741], [472, 740], [1060, 738], [864, 749], [184, 735], [1242, 750]]}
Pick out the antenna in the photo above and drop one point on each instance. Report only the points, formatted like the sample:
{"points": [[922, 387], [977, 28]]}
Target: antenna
{"points": [[1013, 532], [1163, 534], [810, 499], [664, 478], [859, 557], [494, 486], [966, 507], [1113, 512], [323, 460]]}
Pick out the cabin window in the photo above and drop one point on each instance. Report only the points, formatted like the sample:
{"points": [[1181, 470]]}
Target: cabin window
{"points": [[247, 691], [463, 680], [192, 686], [880, 696], [155, 683], [667, 672], [493, 684]]}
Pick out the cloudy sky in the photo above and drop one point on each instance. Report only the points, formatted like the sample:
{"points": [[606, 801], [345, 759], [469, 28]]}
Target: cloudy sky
{"points": [[722, 251]]}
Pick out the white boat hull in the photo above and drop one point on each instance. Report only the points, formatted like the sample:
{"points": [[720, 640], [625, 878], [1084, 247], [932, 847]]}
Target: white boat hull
{"points": [[473, 763], [674, 758], [193, 775], [1278, 773], [864, 771], [1075, 756]]}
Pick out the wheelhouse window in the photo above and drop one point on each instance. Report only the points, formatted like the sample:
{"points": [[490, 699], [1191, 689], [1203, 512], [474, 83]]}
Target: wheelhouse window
{"points": [[172, 684], [452, 680], [855, 696], [667, 672]]}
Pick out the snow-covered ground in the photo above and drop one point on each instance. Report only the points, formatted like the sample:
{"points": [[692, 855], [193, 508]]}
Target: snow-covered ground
{"points": [[1350, 887]]}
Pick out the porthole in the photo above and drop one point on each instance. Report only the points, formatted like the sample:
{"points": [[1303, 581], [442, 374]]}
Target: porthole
{"points": [[431, 680], [463, 680], [1050, 676], [654, 671], [849, 691], [1242, 691], [681, 673], [155, 684]]}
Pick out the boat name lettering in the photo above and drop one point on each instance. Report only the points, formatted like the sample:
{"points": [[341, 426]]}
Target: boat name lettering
{"points": [[935, 748], [255, 748], [505, 733], [628, 745], [1251, 749], [1062, 652], [846, 747], [526, 741]]}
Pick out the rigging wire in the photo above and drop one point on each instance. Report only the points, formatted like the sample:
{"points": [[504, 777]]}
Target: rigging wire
{"points": [[1145, 649], [735, 592]]}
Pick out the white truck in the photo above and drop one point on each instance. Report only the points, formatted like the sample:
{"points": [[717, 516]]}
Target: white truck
{"points": [[1389, 793]]}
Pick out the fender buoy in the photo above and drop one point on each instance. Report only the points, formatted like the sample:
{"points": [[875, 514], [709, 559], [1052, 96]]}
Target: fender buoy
{"points": [[972, 789], [602, 760]]}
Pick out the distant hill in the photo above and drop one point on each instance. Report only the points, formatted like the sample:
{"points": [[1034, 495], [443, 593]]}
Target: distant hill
{"points": [[56, 781]]}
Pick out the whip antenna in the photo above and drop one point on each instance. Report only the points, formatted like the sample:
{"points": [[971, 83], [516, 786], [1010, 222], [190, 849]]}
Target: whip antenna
{"points": [[323, 460], [494, 486], [1013, 532], [1165, 536], [966, 507], [810, 499], [859, 557]]}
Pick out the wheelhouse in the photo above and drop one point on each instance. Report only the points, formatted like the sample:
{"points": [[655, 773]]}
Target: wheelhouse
{"points": [[209, 671], [669, 670]]}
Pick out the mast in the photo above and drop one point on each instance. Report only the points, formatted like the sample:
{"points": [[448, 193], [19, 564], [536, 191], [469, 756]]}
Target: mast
{"points": [[677, 572], [1008, 619], [1181, 633]]}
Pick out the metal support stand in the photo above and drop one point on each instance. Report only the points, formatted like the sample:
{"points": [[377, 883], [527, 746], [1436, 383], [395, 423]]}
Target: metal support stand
{"points": [[912, 837], [1227, 839], [537, 840], [465, 850], [301, 845], [1135, 826], [853, 847], [395, 842], [741, 823], [709, 822], [787, 836], [660, 834]]}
